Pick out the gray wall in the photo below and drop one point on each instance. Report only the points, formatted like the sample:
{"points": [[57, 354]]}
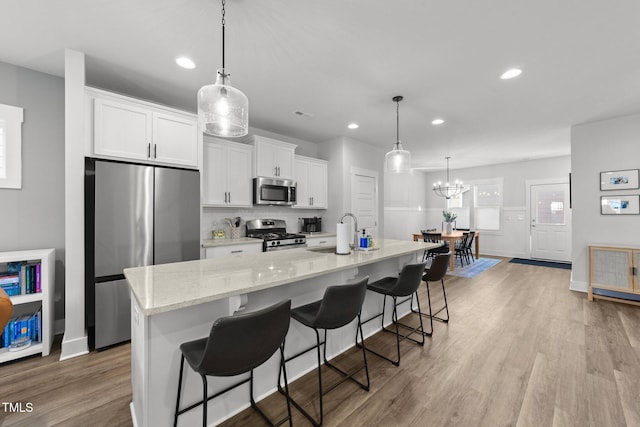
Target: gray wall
{"points": [[598, 147], [33, 217], [342, 154]]}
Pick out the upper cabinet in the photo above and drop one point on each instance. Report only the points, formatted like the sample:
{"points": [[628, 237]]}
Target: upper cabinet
{"points": [[226, 173], [311, 180], [128, 129], [272, 158]]}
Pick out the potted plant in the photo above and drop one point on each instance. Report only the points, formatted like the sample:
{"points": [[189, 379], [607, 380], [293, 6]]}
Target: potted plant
{"points": [[449, 217]]}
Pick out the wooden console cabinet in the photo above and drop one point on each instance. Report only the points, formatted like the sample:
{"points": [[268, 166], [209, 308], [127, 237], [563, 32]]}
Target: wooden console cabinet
{"points": [[613, 273]]}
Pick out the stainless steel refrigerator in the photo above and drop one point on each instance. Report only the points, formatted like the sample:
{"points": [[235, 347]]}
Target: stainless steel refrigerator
{"points": [[135, 215]]}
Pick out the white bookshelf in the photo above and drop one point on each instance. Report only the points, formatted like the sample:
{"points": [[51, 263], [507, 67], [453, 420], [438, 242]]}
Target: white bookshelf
{"points": [[45, 297]]}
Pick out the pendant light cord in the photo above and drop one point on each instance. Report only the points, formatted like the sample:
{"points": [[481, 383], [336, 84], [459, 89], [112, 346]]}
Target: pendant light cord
{"points": [[223, 22], [397, 122], [448, 170]]}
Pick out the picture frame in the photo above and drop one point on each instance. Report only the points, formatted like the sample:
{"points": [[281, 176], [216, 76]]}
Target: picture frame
{"points": [[620, 205], [619, 180]]}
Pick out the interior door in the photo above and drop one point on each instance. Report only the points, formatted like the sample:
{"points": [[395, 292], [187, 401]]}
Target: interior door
{"points": [[364, 201], [550, 221]]}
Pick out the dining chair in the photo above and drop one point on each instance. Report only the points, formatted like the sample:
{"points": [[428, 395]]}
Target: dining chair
{"points": [[430, 237]]}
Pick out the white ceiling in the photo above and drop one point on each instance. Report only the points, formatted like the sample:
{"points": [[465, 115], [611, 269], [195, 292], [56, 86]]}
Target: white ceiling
{"points": [[343, 61]]}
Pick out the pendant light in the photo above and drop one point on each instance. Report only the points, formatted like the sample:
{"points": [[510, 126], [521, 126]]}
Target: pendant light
{"points": [[448, 190], [222, 109], [398, 160]]}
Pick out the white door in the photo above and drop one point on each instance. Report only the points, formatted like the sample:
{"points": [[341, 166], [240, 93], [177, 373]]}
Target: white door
{"points": [[550, 221], [364, 200]]}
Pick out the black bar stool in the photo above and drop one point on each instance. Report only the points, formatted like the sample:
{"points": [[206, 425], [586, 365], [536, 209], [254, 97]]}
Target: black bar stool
{"points": [[237, 344], [337, 308], [437, 271], [403, 286]]}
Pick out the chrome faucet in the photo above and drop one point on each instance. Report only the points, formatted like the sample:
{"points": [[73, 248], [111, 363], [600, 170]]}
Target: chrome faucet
{"points": [[355, 231]]}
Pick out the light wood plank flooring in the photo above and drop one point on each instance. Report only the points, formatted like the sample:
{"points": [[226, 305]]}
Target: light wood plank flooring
{"points": [[520, 350]]}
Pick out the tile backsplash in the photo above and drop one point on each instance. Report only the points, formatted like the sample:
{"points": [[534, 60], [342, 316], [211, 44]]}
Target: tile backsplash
{"points": [[213, 216]]}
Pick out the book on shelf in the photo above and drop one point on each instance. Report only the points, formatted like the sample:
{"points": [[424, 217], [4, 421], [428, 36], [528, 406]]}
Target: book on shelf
{"points": [[29, 276], [10, 283], [22, 330]]}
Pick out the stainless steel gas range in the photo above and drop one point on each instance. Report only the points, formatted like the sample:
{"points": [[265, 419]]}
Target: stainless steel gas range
{"points": [[273, 233]]}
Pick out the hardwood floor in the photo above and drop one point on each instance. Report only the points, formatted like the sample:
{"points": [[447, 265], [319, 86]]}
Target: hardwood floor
{"points": [[520, 350]]}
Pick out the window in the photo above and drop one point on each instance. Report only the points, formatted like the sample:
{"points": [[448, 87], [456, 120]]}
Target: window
{"points": [[10, 146], [488, 205], [459, 205]]}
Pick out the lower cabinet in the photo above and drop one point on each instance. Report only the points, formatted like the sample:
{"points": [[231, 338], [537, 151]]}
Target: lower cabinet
{"points": [[321, 241], [227, 250], [613, 273]]}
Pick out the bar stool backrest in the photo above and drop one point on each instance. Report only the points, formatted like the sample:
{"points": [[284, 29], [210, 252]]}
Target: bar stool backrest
{"points": [[341, 304], [242, 342], [438, 269], [409, 280]]}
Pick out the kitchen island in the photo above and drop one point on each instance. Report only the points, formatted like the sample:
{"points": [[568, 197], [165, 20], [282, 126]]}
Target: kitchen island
{"points": [[174, 303]]}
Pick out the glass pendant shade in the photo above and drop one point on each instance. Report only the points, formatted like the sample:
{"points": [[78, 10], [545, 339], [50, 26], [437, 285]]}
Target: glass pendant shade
{"points": [[222, 109], [398, 160]]}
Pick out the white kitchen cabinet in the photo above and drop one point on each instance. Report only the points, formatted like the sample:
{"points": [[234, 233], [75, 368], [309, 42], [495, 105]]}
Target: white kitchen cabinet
{"points": [[127, 129], [272, 158], [226, 174], [311, 180], [227, 250], [29, 303], [321, 241]]}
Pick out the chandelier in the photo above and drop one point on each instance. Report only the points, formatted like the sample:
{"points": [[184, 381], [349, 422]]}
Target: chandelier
{"points": [[398, 160], [222, 109], [448, 189]]}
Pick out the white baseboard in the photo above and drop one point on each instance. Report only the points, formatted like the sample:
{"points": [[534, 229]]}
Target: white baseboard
{"points": [[578, 286], [74, 347]]}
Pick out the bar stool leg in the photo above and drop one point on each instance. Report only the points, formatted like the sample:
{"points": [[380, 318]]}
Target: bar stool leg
{"points": [[175, 418], [205, 400]]}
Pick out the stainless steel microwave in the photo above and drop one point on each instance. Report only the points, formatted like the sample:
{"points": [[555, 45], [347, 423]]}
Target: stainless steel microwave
{"points": [[273, 191]]}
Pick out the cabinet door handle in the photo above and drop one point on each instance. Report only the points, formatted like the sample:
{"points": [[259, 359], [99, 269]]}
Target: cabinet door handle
{"points": [[148, 150], [312, 201], [155, 150], [237, 252], [322, 241], [229, 196], [225, 197]]}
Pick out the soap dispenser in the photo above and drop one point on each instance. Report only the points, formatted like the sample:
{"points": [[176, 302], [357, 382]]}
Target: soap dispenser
{"points": [[363, 240]]}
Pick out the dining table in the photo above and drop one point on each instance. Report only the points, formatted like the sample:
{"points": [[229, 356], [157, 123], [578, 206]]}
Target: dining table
{"points": [[452, 238]]}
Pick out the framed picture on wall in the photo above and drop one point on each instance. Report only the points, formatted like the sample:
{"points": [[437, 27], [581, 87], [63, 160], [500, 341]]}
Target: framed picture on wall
{"points": [[619, 180], [620, 205]]}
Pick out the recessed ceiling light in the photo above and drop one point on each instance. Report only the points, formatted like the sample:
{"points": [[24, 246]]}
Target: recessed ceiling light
{"points": [[437, 122], [509, 74], [185, 62], [353, 126]]}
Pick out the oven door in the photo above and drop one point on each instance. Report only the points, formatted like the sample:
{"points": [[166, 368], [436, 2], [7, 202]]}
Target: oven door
{"points": [[282, 248]]}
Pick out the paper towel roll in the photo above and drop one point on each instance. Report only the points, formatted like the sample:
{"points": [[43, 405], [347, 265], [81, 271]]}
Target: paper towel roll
{"points": [[343, 238]]}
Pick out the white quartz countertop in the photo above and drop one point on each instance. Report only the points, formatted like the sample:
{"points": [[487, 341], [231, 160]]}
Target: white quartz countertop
{"points": [[167, 287], [212, 243]]}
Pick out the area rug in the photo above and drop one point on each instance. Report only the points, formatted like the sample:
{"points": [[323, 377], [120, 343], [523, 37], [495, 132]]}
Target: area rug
{"points": [[565, 265], [473, 269]]}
